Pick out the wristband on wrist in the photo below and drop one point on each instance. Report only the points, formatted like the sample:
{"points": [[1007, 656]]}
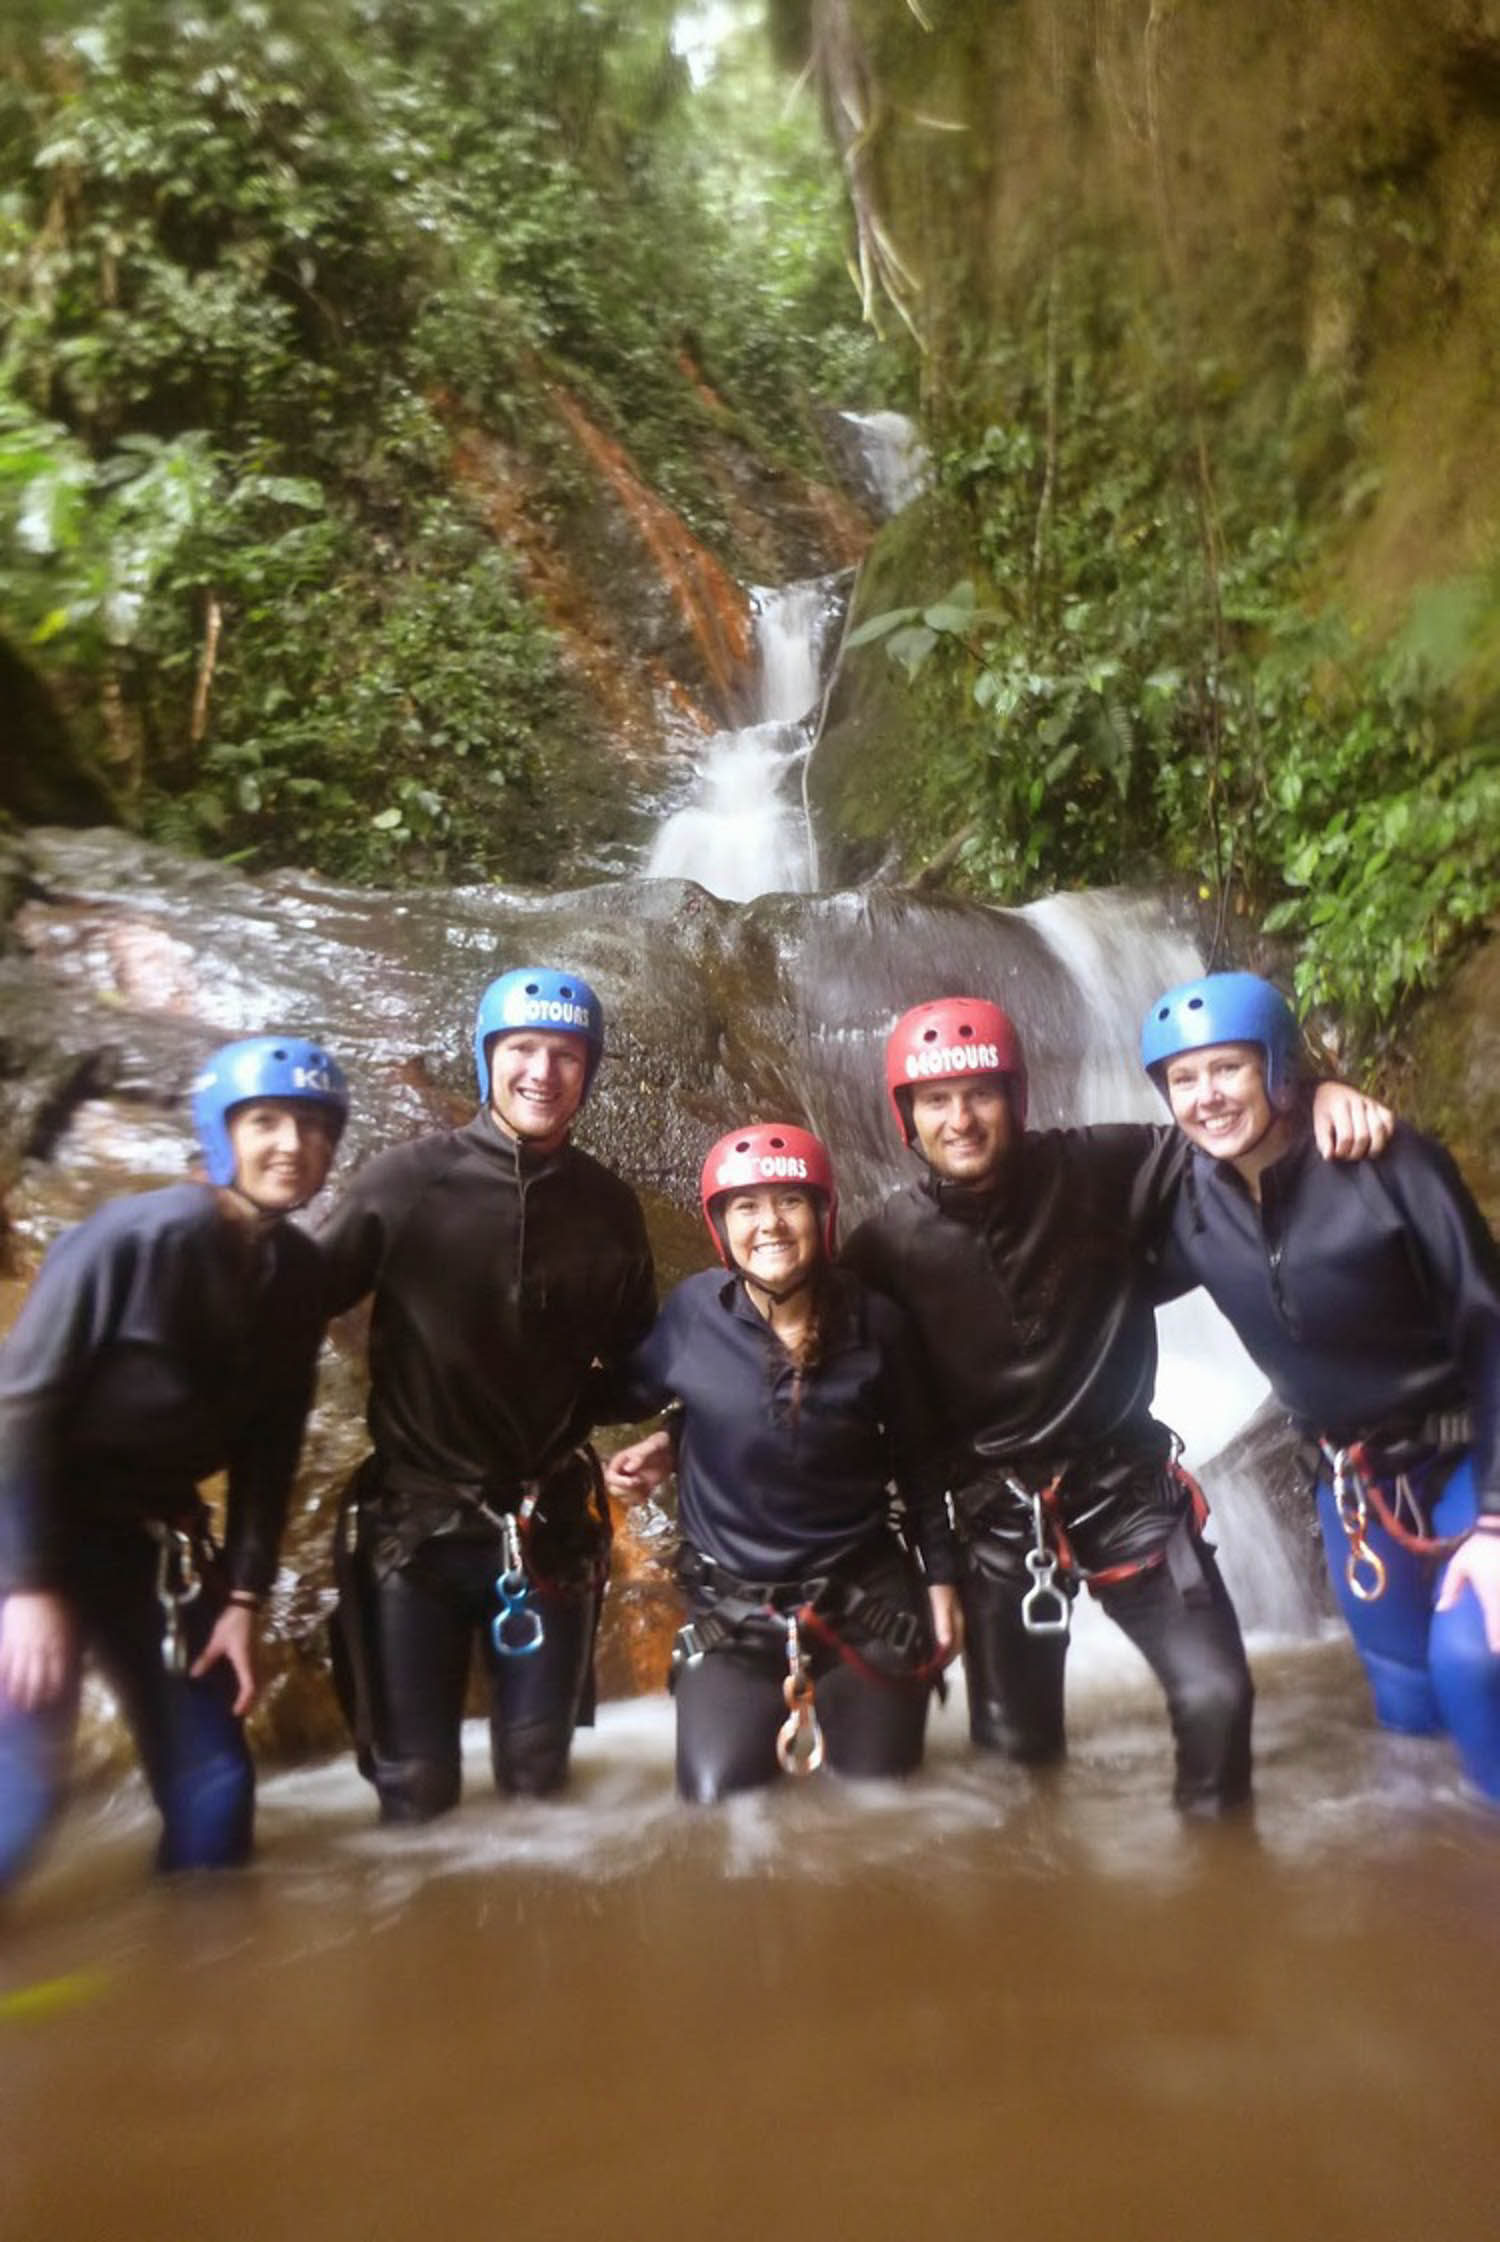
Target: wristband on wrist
{"points": [[1487, 1522], [245, 1598]]}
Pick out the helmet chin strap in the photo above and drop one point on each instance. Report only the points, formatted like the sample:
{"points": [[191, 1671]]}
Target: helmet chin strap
{"points": [[778, 1293]]}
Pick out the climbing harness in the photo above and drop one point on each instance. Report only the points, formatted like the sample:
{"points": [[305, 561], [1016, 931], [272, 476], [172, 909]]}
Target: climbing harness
{"points": [[1357, 1494], [1052, 1562], [517, 1630], [794, 1606], [179, 1582], [799, 1740]]}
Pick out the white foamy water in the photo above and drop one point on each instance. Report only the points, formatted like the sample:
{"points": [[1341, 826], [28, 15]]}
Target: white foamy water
{"points": [[895, 459], [744, 830]]}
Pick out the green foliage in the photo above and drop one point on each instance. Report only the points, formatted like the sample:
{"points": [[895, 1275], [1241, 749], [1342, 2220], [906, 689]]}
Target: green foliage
{"points": [[258, 262], [1148, 690]]}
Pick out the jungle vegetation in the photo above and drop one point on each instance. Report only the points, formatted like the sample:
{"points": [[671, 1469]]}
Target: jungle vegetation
{"points": [[261, 263], [1206, 583]]}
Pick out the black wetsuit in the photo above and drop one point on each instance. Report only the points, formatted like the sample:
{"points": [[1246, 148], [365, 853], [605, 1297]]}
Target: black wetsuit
{"points": [[1368, 1293], [500, 1277], [783, 1479], [161, 1343], [1034, 1307]]}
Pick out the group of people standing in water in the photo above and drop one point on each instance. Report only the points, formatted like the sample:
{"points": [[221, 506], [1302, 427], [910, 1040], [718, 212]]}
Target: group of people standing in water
{"points": [[921, 1441]]}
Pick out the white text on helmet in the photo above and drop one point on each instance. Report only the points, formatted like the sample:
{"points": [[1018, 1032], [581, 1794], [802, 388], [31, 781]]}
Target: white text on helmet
{"points": [[778, 1165], [954, 1058], [555, 1011], [313, 1078]]}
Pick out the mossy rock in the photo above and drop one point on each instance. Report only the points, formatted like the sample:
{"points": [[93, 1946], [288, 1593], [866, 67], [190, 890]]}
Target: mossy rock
{"points": [[868, 784], [1451, 1083]]}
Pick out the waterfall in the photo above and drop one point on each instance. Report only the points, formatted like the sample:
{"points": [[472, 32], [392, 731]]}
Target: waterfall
{"points": [[892, 458], [744, 830]]}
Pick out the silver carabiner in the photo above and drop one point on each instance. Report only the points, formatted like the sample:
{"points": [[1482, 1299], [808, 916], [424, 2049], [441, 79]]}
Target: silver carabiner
{"points": [[1045, 1609], [174, 1593]]}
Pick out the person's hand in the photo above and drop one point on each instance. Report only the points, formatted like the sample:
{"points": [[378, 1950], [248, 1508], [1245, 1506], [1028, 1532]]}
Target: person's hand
{"points": [[947, 1618], [1475, 1564], [36, 1648], [633, 1473], [1348, 1126], [233, 1640]]}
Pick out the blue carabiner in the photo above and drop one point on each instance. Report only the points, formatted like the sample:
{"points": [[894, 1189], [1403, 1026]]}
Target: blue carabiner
{"points": [[516, 1613]]}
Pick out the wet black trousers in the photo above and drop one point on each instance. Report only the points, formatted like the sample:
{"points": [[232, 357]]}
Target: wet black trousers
{"points": [[730, 1702], [403, 1682], [1178, 1615]]}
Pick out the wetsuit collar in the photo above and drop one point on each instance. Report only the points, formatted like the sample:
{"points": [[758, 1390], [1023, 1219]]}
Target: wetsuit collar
{"points": [[518, 1160], [973, 1202]]}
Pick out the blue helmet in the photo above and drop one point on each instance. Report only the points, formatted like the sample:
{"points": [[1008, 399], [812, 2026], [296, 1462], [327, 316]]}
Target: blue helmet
{"points": [[1223, 1008], [539, 996], [263, 1066]]}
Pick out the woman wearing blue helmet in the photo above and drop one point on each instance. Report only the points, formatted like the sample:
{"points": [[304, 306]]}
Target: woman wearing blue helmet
{"points": [[1370, 1297], [169, 1337], [505, 1267]]}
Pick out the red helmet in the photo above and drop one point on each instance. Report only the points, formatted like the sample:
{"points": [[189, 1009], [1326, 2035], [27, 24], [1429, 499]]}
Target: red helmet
{"points": [[768, 1152], [955, 1037]]}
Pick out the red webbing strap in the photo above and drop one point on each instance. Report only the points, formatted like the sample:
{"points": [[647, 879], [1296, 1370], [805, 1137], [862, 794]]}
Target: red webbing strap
{"points": [[1114, 1576], [1420, 1545], [813, 1623]]}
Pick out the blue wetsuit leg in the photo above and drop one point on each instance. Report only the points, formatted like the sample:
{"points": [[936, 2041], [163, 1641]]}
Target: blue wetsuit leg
{"points": [[192, 1747], [1391, 1632], [35, 1750], [1465, 1671]]}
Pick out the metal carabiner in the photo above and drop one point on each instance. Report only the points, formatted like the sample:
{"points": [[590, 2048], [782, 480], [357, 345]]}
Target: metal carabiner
{"points": [[1370, 1589], [1365, 1570], [172, 1543], [516, 1629], [799, 1740], [1045, 1609]]}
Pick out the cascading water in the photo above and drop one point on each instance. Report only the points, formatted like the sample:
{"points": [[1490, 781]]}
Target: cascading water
{"points": [[892, 458], [745, 830]]}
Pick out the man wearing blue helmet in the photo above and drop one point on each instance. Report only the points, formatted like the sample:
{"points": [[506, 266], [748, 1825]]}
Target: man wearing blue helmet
{"points": [[1370, 1297], [169, 1337], [507, 1269]]}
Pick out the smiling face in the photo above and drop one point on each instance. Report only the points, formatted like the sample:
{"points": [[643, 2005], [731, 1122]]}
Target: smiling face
{"points": [[774, 1236], [283, 1149], [536, 1085], [964, 1129], [1219, 1101]]}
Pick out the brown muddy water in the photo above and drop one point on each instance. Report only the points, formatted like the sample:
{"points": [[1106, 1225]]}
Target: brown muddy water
{"points": [[976, 2005]]}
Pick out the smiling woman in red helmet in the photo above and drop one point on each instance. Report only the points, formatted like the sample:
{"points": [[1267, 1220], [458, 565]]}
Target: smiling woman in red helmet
{"points": [[799, 1407]]}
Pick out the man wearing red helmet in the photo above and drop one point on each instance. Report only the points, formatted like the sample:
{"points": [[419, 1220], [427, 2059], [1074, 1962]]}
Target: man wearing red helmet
{"points": [[1021, 1258]]}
